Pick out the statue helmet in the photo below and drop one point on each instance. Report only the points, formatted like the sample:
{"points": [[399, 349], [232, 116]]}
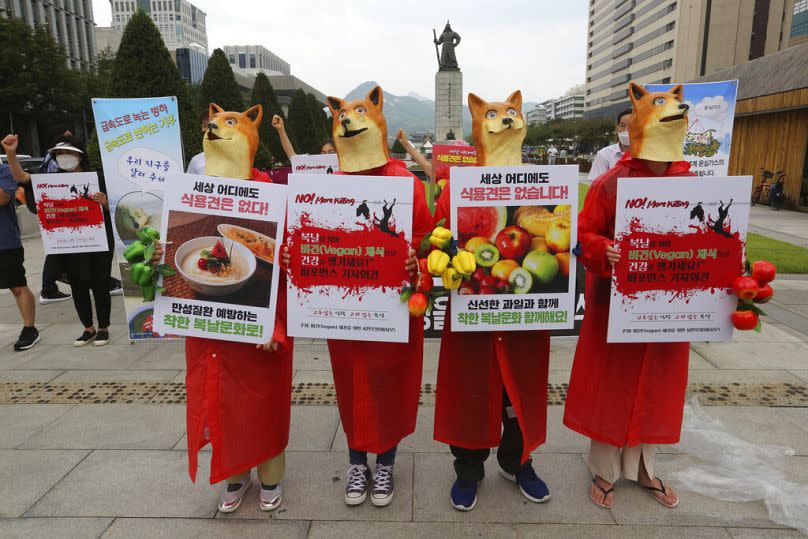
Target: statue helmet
{"points": [[448, 26]]}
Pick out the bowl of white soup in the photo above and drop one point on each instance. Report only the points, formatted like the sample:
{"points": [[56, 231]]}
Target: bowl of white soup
{"points": [[214, 266]]}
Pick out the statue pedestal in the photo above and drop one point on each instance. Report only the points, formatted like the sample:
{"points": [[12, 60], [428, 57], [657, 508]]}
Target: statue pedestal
{"points": [[448, 104]]}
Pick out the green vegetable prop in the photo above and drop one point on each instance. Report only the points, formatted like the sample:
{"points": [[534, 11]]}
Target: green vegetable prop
{"points": [[141, 271]]}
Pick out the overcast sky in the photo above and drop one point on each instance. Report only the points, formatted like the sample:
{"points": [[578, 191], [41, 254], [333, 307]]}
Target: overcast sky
{"points": [[538, 46]]}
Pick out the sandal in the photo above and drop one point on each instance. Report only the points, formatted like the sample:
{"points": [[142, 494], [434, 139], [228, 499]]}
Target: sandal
{"points": [[605, 492], [652, 489]]}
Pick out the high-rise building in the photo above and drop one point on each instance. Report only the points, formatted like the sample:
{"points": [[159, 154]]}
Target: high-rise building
{"points": [[567, 107], [192, 62], [536, 116], [253, 59], [70, 22], [661, 41], [799, 23], [107, 37]]}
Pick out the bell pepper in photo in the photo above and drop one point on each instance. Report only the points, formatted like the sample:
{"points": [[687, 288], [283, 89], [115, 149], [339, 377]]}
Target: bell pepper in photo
{"points": [[440, 237], [135, 252], [451, 279], [464, 263], [436, 262]]}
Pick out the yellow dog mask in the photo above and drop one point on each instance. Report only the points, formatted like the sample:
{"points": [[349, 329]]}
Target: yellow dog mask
{"points": [[658, 124], [359, 131], [231, 141]]}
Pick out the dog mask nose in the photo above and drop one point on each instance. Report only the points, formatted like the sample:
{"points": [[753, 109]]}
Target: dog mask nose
{"points": [[684, 106], [507, 121], [345, 123]]}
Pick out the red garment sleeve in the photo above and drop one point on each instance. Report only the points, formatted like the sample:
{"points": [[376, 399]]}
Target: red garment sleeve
{"points": [[421, 216], [442, 207], [279, 333], [593, 227]]}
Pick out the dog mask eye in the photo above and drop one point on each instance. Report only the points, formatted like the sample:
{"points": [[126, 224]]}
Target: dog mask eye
{"points": [[659, 101], [342, 115], [360, 110], [231, 122], [491, 114], [512, 112]]}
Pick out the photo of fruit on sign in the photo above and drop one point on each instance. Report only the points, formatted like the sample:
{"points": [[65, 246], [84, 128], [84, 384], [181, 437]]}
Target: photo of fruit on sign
{"points": [[518, 249]]}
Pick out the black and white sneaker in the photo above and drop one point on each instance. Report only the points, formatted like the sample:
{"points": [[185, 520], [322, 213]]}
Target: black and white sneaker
{"points": [[45, 299], [29, 336], [115, 287], [356, 491], [101, 338], [383, 489], [86, 338]]}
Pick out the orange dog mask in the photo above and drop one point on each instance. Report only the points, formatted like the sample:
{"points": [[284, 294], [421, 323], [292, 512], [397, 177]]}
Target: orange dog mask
{"points": [[658, 124], [498, 130], [231, 141], [359, 130]]}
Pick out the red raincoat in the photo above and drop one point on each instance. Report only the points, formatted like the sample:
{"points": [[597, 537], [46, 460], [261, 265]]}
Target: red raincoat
{"points": [[627, 393], [239, 398], [378, 384], [472, 371]]}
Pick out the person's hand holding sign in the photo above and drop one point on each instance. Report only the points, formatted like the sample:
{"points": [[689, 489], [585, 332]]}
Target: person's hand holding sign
{"points": [[270, 346], [612, 255], [101, 198], [411, 265]]}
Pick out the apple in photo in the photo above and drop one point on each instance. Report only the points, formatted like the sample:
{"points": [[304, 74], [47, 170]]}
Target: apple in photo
{"points": [[513, 242], [558, 236]]}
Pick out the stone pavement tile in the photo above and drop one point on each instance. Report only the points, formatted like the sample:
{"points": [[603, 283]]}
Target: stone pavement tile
{"points": [[597, 531], [798, 416], [785, 315], [312, 428], [27, 475], [558, 377], [698, 362], [758, 533], [560, 439], [22, 375], [11, 359], [64, 334], [67, 528], [780, 285], [740, 376], [134, 483], [752, 355], [109, 357], [562, 352], [113, 426], [65, 312], [431, 354], [420, 441], [79, 376], [313, 377], [315, 490], [757, 424], [311, 357], [499, 500], [429, 377], [802, 374], [165, 356], [18, 422], [173, 528], [768, 333], [407, 530], [634, 505], [791, 297]]}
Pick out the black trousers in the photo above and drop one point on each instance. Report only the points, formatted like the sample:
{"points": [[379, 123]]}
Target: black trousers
{"points": [[84, 307], [468, 463], [51, 271]]}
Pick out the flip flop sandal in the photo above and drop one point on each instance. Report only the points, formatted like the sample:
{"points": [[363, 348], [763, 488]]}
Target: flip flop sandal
{"points": [[605, 492], [664, 492]]}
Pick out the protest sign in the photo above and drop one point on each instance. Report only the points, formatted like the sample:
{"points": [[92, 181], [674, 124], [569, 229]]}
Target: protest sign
{"points": [[70, 220], [140, 145], [710, 117], [349, 237], [681, 243], [445, 156], [223, 239], [520, 223], [323, 163]]}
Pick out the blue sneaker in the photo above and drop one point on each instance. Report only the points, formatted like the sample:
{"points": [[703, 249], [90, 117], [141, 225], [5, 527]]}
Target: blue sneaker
{"points": [[464, 495], [531, 485]]}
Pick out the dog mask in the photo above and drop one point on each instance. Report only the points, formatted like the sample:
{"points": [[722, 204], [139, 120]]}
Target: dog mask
{"points": [[231, 141], [498, 130], [359, 131], [658, 125]]}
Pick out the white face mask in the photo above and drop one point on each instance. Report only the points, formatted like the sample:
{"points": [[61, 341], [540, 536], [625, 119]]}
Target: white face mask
{"points": [[67, 162], [622, 136]]}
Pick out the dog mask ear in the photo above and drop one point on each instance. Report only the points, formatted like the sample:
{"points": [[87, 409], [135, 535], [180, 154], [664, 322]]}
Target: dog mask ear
{"points": [[214, 110], [376, 96], [334, 105], [477, 105], [516, 99], [257, 111], [636, 92], [678, 91]]}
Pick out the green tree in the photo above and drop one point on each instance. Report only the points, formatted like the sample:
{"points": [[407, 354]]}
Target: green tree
{"points": [[322, 127], [263, 157], [301, 125], [143, 68], [264, 94], [219, 84], [398, 148]]}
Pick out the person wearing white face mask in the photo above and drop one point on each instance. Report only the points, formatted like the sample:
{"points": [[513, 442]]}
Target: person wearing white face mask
{"points": [[88, 272], [610, 155]]}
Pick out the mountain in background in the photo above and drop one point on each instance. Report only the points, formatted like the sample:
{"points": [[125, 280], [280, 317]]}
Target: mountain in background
{"points": [[413, 112]]}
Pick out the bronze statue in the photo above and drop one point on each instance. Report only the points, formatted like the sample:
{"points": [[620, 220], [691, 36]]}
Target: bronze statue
{"points": [[447, 61]]}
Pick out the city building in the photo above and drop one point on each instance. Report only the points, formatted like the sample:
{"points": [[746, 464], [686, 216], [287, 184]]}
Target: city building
{"points": [[192, 62], [549, 109], [799, 23], [662, 41], [285, 87], [181, 25], [536, 116], [107, 38], [253, 59], [70, 23], [771, 120], [570, 105]]}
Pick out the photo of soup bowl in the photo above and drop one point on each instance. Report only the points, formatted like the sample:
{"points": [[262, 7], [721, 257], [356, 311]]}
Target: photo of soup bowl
{"points": [[242, 266]]}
